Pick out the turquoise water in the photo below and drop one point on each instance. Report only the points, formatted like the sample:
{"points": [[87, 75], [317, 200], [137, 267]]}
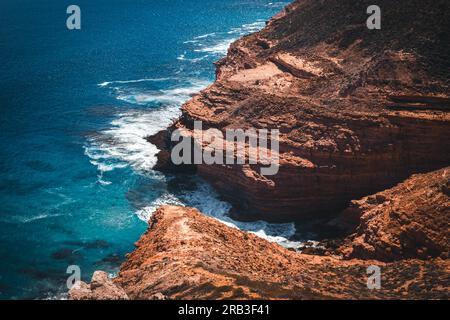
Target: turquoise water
{"points": [[76, 178]]}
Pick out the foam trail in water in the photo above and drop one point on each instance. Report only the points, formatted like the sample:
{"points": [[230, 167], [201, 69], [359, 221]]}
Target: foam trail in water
{"points": [[182, 57], [174, 96], [205, 35], [107, 83], [276, 4], [220, 47], [217, 43]]}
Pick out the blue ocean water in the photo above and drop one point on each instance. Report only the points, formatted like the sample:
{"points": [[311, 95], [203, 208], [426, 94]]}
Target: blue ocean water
{"points": [[76, 178]]}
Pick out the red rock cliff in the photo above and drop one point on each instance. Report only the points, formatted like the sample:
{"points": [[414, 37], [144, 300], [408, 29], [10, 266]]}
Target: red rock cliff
{"points": [[410, 220], [358, 110]]}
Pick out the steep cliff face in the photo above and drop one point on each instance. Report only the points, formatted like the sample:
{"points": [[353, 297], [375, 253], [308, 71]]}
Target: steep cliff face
{"points": [[358, 110], [410, 220], [186, 255]]}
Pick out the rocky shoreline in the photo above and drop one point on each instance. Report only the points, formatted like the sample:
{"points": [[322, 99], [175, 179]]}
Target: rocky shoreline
{"points": [[186, 255], [362, 114]]}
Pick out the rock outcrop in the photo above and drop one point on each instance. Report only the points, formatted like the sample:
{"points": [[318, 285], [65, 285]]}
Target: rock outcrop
{"points": [[358, 110], [186, 255], [101, 287], [410, 220]]}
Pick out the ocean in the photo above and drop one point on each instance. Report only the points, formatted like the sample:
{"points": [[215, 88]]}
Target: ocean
{"points": [[76, 179]]}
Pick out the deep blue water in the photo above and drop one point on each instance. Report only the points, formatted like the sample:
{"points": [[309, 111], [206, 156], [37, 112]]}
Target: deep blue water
{"points": [[76, 184]]}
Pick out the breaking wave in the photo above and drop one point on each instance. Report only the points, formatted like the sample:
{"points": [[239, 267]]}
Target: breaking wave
{"points": [[124, 143], [206, 200], [217, 48], [173, 96]]}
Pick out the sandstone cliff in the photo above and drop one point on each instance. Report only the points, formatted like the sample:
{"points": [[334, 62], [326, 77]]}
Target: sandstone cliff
{"points": [[358, 110], [186, 255], [410, 220]]}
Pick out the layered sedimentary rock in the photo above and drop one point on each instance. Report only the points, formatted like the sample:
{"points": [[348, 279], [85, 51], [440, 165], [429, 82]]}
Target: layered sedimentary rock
{"points": [[410, 220], [358, 110], [186, 255]]}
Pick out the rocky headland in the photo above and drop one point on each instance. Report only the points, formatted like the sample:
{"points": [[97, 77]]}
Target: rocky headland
{"points": [[358, 110], [363, 114], [186, 255]]}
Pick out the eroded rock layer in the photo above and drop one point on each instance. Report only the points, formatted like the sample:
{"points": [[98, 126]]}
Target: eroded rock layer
{"points": [[411, 220], [186, 255], [358, 110]]}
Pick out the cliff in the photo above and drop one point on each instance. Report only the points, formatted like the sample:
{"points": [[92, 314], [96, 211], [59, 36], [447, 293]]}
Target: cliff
{"points": [[186, 255], [358, 110], [410, 220], [362, 114]]}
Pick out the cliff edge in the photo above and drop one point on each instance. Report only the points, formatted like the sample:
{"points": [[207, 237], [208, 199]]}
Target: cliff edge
{"points": [[410, 220], [358, 110]]}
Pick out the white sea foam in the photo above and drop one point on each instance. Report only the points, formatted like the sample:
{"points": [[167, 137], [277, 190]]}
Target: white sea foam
{"points": [[248, 28], [146, 212], [221, 47], [107, 83], [36, 217], [205, 35], [217, 43], [205, 199], [182, 57], [124, 144], [190, 41], [174, 96], [276, 4]]}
